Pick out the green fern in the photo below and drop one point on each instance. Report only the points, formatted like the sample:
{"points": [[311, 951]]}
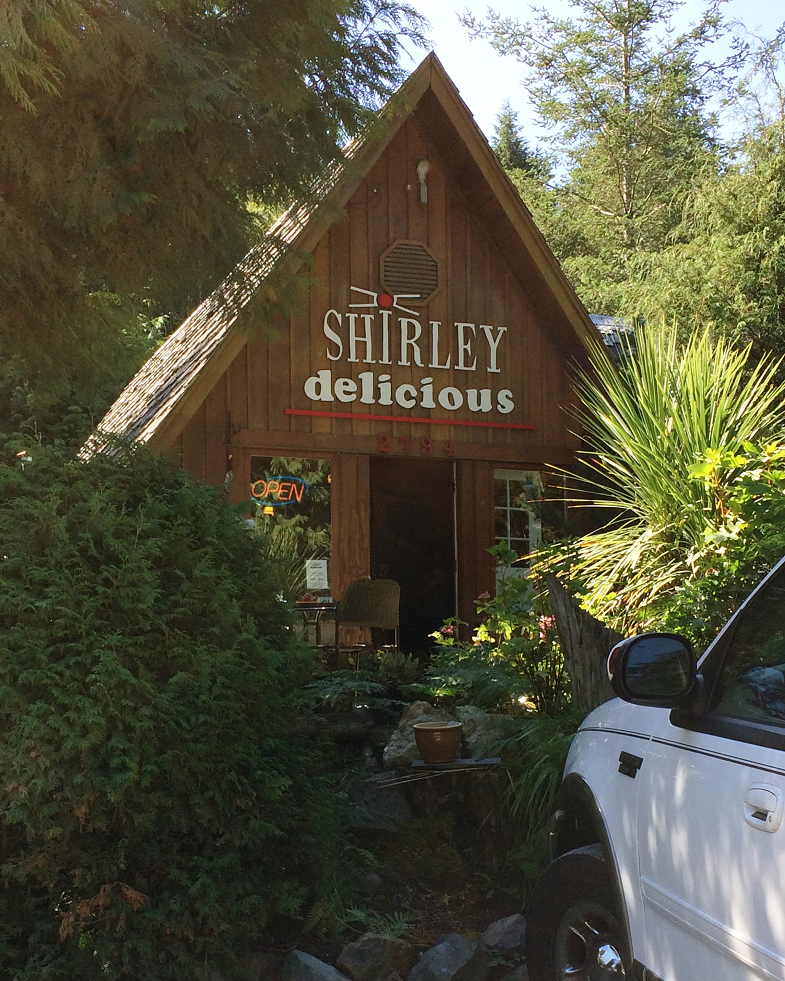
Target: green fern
{"points": [[324, 917], [388, 924], [340, 689]]}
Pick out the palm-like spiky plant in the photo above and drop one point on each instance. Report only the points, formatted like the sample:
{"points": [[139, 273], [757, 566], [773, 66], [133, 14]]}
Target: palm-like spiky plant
{"points": [[646, 424]]}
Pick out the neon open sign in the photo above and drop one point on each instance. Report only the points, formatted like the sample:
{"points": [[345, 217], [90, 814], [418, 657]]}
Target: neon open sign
{"points": [[279, 491]]}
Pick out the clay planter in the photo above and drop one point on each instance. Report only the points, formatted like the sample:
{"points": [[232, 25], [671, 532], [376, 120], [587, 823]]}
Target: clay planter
{"points": [[438, 741]]}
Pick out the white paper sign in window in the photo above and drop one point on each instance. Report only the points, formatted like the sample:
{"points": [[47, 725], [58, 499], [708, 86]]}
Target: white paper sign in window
{"points": [[316, 574]]}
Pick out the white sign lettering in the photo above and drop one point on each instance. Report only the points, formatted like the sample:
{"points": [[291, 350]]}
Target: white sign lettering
{"points": [[322, 387], [374, 338]]}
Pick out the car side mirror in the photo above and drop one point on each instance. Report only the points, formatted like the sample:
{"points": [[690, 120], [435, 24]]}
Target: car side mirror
{"points": [[653, 669]]}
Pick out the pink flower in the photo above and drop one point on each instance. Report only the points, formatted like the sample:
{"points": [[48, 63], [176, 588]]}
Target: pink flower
{"points": [[484, 596], [546, 623], [447, 630]]}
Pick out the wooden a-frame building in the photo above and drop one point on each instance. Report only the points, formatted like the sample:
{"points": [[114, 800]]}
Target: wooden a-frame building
{"points": [[427, 366]]}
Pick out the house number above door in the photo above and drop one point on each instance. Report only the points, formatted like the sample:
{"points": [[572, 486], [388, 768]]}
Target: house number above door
{"points": [[403, 444]]}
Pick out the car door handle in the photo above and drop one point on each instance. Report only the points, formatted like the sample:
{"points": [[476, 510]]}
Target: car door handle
{"points": [[763, 807]]}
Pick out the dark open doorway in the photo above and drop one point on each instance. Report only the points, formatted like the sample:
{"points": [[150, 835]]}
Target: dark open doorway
{"points": [[412, 541]]}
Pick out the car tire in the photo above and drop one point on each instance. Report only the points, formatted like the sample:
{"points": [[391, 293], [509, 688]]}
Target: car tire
{"points": [[574, 926]]}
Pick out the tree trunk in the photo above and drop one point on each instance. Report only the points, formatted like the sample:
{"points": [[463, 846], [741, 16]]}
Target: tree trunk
{"points": [[585, 643]]}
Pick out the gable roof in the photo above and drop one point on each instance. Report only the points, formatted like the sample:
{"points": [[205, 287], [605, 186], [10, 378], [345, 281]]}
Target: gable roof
{"points": [[169, 388]]}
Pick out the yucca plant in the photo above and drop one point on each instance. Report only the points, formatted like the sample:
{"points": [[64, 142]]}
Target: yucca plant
{"points": [[646, 424]]}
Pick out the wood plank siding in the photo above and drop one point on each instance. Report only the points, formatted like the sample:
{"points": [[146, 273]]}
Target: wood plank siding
{"points": [[477, 376], [476, 285]]}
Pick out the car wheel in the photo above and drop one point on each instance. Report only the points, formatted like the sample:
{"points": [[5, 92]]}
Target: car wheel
{"points": [[574, 929]]}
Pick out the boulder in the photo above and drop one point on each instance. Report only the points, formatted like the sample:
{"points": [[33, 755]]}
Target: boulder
{"points": [[477, 967], [375, 957], [506, 935], [299, 966], [518, 974], [376, 806], [469, 716], [401, 750], [456, 958], [482, 732]]}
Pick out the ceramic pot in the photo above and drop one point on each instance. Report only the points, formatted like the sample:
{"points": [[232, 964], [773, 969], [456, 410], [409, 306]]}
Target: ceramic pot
{"points": [[438, 741]]}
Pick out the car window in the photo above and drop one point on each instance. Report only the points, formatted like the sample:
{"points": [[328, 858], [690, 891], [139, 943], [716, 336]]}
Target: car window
{"points": [[752, 681]]}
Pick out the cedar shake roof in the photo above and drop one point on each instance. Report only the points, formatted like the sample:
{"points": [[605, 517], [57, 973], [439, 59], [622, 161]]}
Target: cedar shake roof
{"points": [[168, 374], [155, 406]]}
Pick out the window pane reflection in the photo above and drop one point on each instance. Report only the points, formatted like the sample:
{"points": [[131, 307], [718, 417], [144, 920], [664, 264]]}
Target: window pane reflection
{"points": [[293, 514]]}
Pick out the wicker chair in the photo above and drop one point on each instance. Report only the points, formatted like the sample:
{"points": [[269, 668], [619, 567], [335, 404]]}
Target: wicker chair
{"points": [[371, 603]]}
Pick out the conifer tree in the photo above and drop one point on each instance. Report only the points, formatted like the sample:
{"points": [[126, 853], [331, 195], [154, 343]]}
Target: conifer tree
{"points": [[162, 803], [725, 266], [514, 152], [508, 142], [134, 136], [625, 99]]}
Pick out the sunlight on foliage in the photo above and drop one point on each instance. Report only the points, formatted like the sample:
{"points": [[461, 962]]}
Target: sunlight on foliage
{"points": [[513, 663], [648, 425]]}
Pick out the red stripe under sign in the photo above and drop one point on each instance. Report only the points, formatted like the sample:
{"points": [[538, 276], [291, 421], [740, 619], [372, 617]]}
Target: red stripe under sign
{"points": [[369, 417]]}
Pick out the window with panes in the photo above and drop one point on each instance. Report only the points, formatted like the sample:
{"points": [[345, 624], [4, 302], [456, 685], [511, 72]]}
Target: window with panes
{"points": [[517, 494]]}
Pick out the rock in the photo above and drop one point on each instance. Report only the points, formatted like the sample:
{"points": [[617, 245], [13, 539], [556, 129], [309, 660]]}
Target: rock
{"points": [[401, 750], [370, 882], [469, 716], [442, 961], [299, 966], [456, 958], [377, 806], [505, 935], [482, 732], [477, 967], [375, 957], [519, 974]]}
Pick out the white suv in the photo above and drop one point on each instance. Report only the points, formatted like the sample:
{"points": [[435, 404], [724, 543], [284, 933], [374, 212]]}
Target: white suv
{"points": [[668, 844]]}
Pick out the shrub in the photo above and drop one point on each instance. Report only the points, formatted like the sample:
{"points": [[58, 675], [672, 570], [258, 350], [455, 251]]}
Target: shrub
{"points": [[157, 809], [514, 657], [386, 683], [743, 538]]}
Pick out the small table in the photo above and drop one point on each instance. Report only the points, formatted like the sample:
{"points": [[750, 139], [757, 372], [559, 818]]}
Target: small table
{"points": [[319, 608], [478, 765]]}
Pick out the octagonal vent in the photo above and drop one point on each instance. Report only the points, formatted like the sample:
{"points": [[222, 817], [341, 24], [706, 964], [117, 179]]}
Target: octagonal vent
{"points": [[410, 268]]}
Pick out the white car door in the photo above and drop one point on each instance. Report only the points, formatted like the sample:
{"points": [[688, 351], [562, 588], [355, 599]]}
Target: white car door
{"points": [[711, 834]]}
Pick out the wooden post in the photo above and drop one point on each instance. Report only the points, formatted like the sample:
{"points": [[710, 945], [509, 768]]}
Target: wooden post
{"points": [[586, 643], [475, 536], [351, 506]]}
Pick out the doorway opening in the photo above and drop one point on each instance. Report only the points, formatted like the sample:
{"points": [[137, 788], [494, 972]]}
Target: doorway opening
{"points": [[413, 541]]}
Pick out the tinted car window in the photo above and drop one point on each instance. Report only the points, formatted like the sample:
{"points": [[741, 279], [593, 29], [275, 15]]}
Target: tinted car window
{"points": [[752, 683]]}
